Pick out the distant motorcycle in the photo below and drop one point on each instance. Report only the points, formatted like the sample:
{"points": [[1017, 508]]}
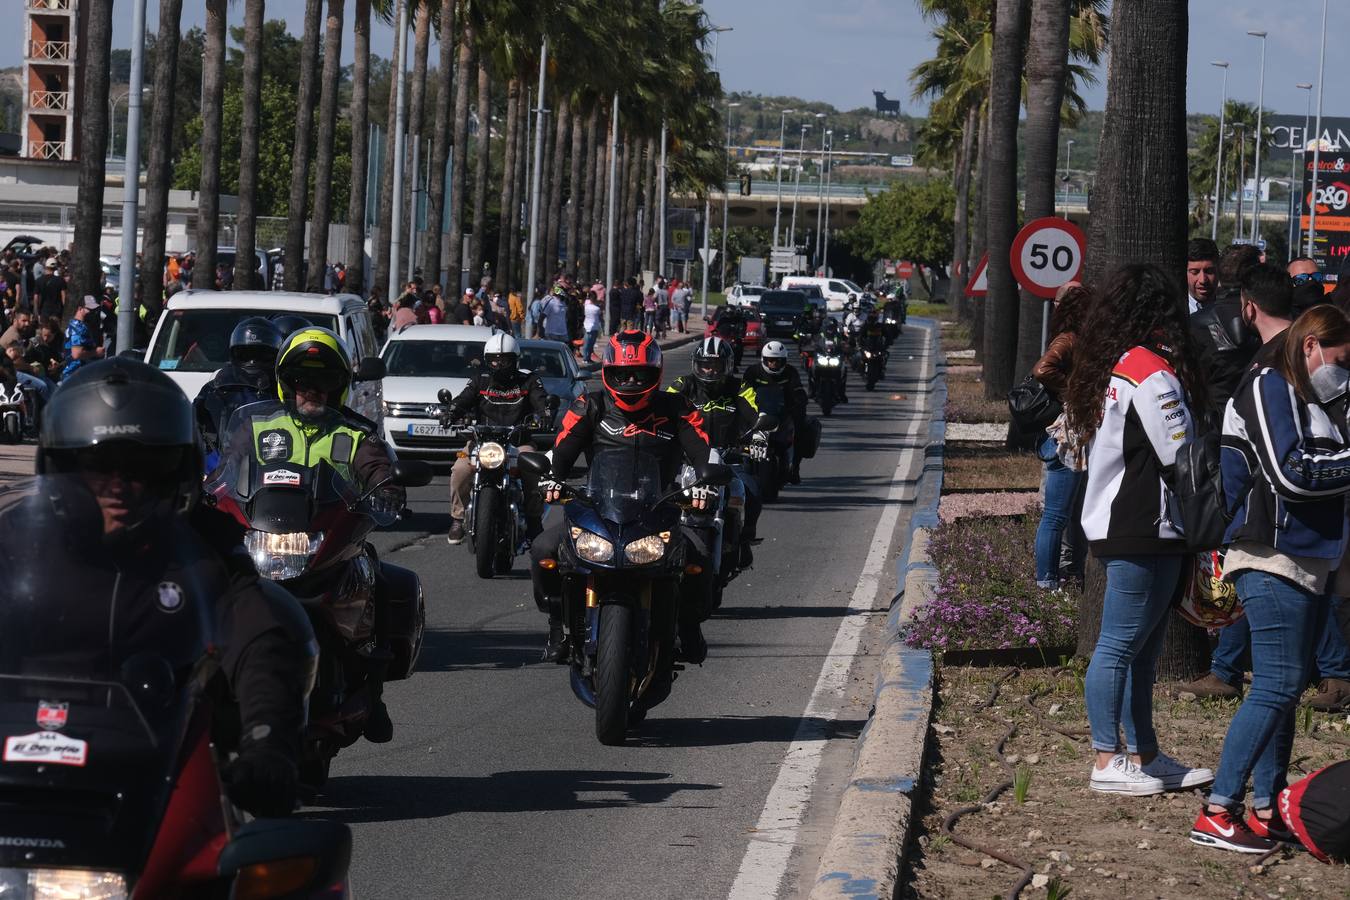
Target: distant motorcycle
{"points": [[829, 376]]}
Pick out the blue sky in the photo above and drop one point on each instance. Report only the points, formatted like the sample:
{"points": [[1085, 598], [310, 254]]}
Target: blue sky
{"points": [[840, 50]]}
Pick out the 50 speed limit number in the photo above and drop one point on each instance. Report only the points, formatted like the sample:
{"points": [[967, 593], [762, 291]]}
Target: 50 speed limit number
{"points": [[1047, 254]]}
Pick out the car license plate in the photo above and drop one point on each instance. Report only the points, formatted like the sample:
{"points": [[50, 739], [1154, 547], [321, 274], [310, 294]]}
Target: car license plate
{"points": [[784, 322], [431, 431]]}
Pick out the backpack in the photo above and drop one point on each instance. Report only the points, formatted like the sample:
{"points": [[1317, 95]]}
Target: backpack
{"points": [[1198, 488]]}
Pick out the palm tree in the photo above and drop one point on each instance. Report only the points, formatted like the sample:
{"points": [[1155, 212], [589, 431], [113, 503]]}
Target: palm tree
{"points": [[440, 143], [511, 147], [632, 201], [585, 253], [468, 38], [480, 166], [97, 48], [360, 116], [558, 146], [245, 240], [158, 173], [327, 145], [1005, 92], [297, 209], [577, 158], [417, 92], [649, 257], [1239, 145], [385, 211], [208, 196]]}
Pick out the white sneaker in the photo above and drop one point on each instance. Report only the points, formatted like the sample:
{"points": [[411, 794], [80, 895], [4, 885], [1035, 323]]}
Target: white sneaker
{"points": [[1124, 777], [1176, 776]]}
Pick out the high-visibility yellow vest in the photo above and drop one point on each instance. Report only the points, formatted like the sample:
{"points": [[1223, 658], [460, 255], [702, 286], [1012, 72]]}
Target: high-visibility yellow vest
{"points": [[280, 439]]}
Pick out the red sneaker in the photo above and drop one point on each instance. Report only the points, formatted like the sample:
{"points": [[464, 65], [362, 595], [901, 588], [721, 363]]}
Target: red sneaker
{"points": [[1228, 831], [1272, 829]]}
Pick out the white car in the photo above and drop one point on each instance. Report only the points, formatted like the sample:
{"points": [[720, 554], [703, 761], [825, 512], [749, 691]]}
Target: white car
{"points": [[835, 290], [192, 338], [419, 362], [745, 295]]}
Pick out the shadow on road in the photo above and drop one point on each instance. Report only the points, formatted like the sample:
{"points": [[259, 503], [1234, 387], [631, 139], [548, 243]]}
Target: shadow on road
{"points": [[452, 651], [722, 731], [391, 798]]}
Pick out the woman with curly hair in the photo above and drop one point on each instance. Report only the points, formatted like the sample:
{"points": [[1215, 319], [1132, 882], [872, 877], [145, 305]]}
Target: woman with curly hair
{"points": [[1131, 392]]}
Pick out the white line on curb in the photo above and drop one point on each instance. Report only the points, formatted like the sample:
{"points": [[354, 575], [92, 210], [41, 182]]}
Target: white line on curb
{"points": [[766, 859]]}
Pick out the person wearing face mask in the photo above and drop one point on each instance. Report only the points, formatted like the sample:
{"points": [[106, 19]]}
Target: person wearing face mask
{"points": [[1286, 473]]}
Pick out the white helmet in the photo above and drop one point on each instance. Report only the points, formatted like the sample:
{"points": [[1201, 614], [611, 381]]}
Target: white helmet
{"points": [[773, 358], [501, 353]]}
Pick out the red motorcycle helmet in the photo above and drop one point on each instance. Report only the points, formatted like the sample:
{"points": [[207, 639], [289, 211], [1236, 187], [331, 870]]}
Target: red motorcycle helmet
{"points": [[631, 369]]}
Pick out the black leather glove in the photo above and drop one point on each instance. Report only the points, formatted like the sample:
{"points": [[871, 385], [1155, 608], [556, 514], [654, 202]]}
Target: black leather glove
{"points": [[263, 781]]}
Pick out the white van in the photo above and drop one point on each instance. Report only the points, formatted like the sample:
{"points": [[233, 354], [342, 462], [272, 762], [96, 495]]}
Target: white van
{"points": [[192, 338], [836, 290]]}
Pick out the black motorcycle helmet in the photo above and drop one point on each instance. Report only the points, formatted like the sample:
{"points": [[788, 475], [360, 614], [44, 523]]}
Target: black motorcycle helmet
{"points": [[289, 323], [121, 417], [253, 350], [712, 361]]}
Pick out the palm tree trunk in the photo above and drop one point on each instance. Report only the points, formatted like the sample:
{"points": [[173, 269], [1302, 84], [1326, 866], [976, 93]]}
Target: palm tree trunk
{"points": [[956, 292], [586, 251], [440, 145], [208, 196], [633, 198], [650, 211], [297, 211], [1047, 66], [577, 198], [158, 171], [624, 152], [600, 195], [510, 147], [520, 193], [1005, 101], [417, 94], [454, 259], [481, 164], [323, 157], [360, 115], [386, 206], [980, 237], [92, 150], [558, 147], [245, 239]]}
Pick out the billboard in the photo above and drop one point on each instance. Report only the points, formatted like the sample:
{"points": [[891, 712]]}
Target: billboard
{"points": [[681, 233], [1331, 243], [1288, 132]]}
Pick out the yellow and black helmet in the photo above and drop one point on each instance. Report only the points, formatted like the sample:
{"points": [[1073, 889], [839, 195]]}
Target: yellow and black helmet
{"points": [[315, 357]]}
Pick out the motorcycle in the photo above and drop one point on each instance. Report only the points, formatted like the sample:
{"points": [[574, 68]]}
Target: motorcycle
{"points": [[829, 373], [622, 560], [14, 419], [113, 752], [307, 532], [874, 366], [893, 320]]}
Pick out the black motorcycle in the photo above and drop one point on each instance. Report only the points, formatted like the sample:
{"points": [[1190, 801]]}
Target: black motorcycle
{"points": [[622, 560], [829, 373], [874, 366]]}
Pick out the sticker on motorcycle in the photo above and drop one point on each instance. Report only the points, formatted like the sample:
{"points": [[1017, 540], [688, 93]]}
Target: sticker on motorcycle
{"points": [[46, 747], [274, 445], [281, 476], [52, 716]]}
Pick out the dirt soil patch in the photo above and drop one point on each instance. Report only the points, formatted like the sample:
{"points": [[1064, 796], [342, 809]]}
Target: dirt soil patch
{"points": [[966, 401], [955, 336], [972, 466], [1092, 845]]}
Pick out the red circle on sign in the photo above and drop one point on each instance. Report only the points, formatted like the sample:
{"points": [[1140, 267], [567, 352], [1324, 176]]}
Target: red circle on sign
{"points": [[905, 269], [1029, 231]]}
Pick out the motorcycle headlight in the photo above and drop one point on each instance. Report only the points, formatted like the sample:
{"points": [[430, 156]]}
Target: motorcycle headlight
{"points": [[491, 455], [76, 884], [282, 556], [829, 360], [591, 546], [646, 550]]}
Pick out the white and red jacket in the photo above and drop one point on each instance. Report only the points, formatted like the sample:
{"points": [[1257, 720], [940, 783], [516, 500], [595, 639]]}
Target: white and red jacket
{"points": [[1128, 508]]}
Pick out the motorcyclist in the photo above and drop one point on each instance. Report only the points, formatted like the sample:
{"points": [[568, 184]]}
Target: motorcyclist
{"points": [[500, 394], [629, 412], [872, 338], [314, 376], [248, 377], [833, 337], [853, 321], [117, 515], [773, 372], [727, 405], [289, 323], [731, 327]]}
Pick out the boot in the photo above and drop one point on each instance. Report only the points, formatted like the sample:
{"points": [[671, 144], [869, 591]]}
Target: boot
{"points": [[693, 648], [555, 650], [455, 535], [1333, 695], [747, 556], [796, 476], [1212, 686], [379, 727]]}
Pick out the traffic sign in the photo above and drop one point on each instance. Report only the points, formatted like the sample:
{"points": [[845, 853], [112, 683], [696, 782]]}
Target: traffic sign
{"points": [[1047, 254], [708, 256], [905, 269], [978, 285]]}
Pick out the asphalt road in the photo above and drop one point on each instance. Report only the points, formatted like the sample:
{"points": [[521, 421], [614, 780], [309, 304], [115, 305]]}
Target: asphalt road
{"points": [[495, 785]]}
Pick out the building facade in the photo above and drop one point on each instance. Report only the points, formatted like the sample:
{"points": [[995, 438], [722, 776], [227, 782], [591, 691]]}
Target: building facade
{"points": [[51, 76]]}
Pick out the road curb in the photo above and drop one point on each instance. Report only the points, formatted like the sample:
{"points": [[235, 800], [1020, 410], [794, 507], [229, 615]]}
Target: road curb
{"points": [[865, 855]]}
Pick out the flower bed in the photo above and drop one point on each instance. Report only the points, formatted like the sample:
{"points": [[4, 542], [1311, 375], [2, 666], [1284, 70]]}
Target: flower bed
{"points": [[986, 597]]}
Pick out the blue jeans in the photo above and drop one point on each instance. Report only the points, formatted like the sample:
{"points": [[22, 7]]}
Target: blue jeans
{"points": [[1119, 684], [1333, 654], [1061, 483], [589, 344], [1226, 663], [1284, 620], [1332, 657]]}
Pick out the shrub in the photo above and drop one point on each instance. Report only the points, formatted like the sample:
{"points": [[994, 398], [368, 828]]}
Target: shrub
{"points": [[986, 596]]}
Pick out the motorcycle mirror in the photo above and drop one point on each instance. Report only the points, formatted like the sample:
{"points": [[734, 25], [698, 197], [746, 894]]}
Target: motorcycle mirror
{"points": [[714, 474], [287, 857], [370, 369], [535, 463], [445, 396], [411, 473]]}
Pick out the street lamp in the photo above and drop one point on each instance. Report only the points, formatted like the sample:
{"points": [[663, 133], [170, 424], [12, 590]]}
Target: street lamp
{"points": [[797, 187], [1317, 145], [1295, 182], [778, 209], [1260, 98], [820, 186], [726, 201], [1218, 169], [829, 174]]}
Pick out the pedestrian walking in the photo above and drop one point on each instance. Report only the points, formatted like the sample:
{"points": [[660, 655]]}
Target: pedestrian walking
{"points": [[592, 324]]}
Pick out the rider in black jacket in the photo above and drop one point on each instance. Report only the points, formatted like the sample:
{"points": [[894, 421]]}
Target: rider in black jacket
{"points": [[248, 377], [500, 394], [774, 374], [630, 412], [121, 475]]}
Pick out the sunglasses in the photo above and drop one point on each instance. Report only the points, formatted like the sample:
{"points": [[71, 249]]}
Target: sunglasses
{"points": [[1307, 278]]}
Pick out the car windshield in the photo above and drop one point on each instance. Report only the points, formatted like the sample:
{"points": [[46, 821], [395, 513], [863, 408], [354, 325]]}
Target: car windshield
{"points": [[782, 302], [198, 340], [544, 362], [432, 359]]}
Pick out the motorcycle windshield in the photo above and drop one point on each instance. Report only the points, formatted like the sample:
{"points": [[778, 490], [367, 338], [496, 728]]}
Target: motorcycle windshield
{"points": [[622, 484]]}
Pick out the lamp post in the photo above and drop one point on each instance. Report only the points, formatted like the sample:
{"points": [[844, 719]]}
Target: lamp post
{"points": [[1260, 98], [131, 187], [1068, 162], [1295, 182], [1317, 145], [1218, 169], [726, 201], [539, 137], [797, 188], [778, 208], [400, 122], [829, 174], [820, 189]]}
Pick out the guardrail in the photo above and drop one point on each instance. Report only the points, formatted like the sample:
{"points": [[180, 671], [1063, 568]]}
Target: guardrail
{"points": [[58, 51], [56, 101]]}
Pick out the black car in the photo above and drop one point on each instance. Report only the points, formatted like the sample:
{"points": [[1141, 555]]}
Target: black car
{"points": [[782, 312]]}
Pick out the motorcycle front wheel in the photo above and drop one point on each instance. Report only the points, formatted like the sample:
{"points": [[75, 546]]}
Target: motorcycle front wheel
{"points": [[13, 429], [487, 513], [612, 674]]}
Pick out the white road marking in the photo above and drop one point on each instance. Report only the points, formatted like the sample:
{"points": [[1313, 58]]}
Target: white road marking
{"points": [[766, 859]]}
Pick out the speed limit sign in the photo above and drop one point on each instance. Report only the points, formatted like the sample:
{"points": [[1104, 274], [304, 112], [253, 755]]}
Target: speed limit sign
{"points": [[1047, 254]]}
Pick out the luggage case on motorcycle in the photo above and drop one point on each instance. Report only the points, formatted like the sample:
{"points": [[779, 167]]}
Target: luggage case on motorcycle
{"points": [[808, 442]]}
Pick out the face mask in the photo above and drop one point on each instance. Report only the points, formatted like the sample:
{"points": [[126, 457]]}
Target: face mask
{"points": [[1329, 382]]}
